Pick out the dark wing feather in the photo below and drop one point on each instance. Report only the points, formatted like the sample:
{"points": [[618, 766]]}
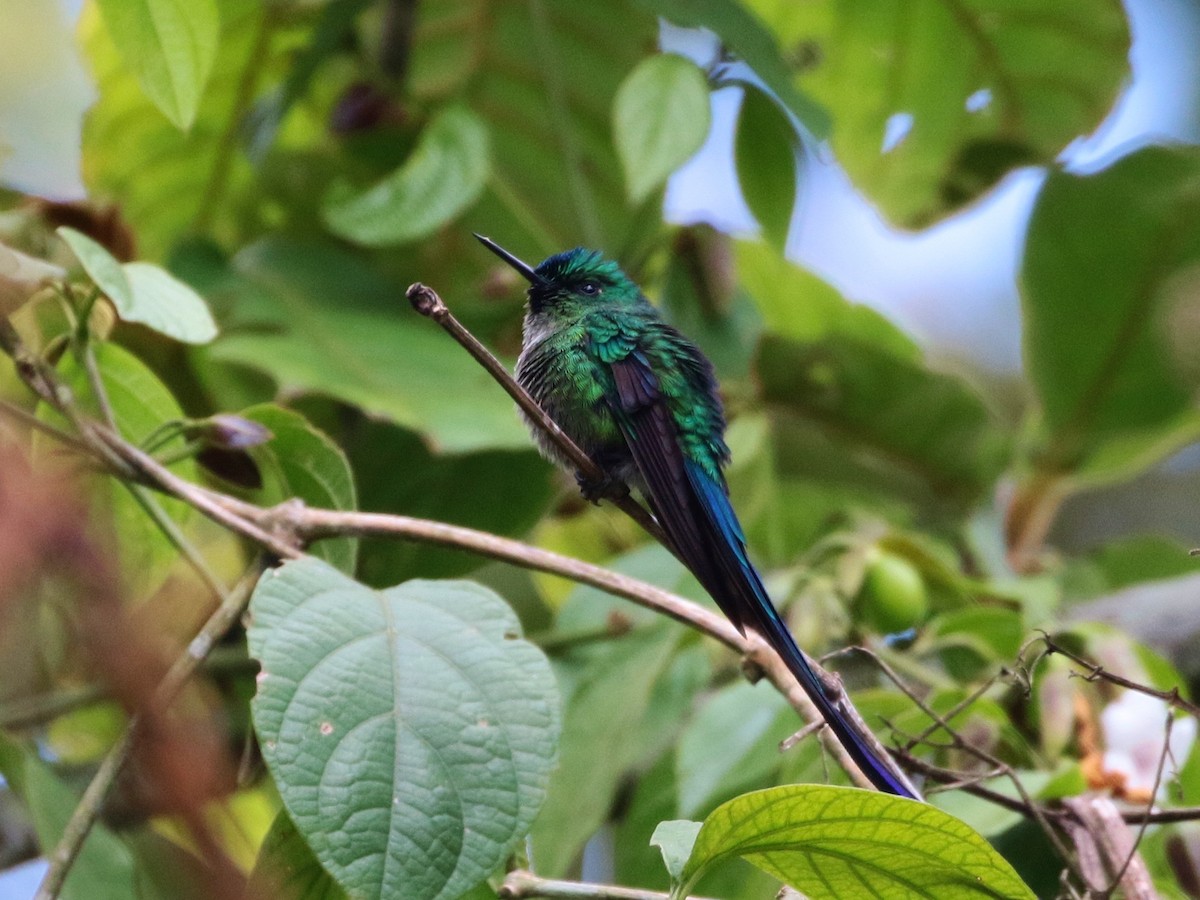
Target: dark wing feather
{"points": [[649, 432], [695, 512]]}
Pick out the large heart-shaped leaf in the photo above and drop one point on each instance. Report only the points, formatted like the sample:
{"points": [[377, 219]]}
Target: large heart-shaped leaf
{"points": [[833, 842], [410, 731]]}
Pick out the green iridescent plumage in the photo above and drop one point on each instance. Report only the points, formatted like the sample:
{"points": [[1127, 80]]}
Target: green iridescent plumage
{"points": [[642, 401]]}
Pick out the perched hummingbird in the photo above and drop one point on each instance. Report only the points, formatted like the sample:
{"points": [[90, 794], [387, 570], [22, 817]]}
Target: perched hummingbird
{"points": [[641, 400]]}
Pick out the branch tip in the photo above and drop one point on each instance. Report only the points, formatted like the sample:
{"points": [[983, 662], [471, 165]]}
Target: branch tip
{"points": [[425, 300]]}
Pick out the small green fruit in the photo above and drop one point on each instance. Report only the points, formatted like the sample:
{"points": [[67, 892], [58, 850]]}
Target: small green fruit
{"points": [[892, 597]]}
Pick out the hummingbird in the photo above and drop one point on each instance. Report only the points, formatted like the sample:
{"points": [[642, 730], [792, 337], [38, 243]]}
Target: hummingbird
{"points": [[642, 401]]}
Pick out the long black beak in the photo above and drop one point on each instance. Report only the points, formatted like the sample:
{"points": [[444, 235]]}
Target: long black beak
{"points": [[523, 267]]}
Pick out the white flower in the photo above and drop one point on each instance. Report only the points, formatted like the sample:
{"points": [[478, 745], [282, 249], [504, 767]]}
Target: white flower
{"points": [[1134, 728]]}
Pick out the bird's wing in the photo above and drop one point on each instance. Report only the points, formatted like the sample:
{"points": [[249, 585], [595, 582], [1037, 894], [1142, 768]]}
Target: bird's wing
{"points": [[650, 433], [694, 510]]}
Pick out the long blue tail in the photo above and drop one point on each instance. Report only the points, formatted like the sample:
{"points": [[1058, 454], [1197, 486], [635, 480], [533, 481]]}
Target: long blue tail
{"points": [[739, 591]]}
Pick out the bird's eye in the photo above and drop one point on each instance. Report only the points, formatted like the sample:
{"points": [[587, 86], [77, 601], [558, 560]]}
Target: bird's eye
{"points": [[590, 288]]}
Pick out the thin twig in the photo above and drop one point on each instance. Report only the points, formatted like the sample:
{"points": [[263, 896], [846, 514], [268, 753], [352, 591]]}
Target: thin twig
{"points": [[1099, 673], [34, 710], [84, 816], [522, 883], [88, 810], [426, 301], [1034, 809], [1158, 774], [25, 417]]}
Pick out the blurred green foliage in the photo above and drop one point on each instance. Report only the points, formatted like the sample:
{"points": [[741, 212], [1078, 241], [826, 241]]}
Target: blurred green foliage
{"points": [[293, 166]]}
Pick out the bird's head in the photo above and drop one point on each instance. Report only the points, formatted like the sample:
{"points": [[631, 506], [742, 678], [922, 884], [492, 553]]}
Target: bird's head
{"points": [[567, 283]]}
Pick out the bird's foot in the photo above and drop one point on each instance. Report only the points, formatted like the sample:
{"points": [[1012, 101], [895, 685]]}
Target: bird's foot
{"points": [[594, 490]]}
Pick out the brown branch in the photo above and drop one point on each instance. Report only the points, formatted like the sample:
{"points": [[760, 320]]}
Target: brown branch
{"points": [[522, 883], [312, 524], [90, 804], [1103, 840], [284, 529]]}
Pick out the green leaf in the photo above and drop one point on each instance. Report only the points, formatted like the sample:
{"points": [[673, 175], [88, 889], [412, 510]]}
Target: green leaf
{"points": [[732, 742], [325, 322], [172, 182], [104, 869], [140, 403], [499, 491], [286, 867], [844, 842], [675, 840], [936, 102], [143, 292], [922, 434], [857, 418], [612, 685], [170, 45], [102, 266], [411, 732], [660, 118], [163, 302], [444, 175], [543, 77], [765, 154], [748, 37], [797, 304], [1111, 331], [300, 461]]}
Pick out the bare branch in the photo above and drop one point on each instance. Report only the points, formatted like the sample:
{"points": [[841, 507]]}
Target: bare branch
{"points": [[522, 883], [1098, 673]]}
